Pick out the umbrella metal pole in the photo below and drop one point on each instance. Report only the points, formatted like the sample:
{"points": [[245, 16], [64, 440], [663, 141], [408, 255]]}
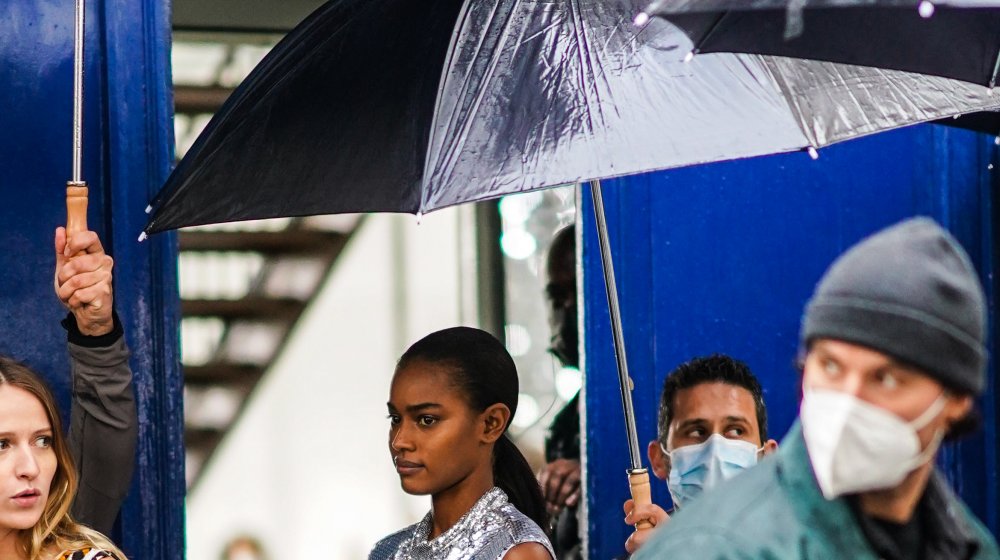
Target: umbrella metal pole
{"points": [[637, 475], [76, 188]]}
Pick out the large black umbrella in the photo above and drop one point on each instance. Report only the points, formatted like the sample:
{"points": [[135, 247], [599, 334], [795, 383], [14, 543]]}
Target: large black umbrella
{"points": [[957, 39], [401, 106], [404, 106]]}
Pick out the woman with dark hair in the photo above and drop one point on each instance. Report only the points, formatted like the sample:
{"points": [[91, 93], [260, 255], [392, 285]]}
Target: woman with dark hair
{"points": [[452, 398]]}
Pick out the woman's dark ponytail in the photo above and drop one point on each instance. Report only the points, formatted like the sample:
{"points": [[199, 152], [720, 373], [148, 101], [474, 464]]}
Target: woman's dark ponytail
{"points": [[485, 372], [513, 475]]}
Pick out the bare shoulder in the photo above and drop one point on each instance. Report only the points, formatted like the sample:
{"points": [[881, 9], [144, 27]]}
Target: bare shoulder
{"points": [[528, 551]]}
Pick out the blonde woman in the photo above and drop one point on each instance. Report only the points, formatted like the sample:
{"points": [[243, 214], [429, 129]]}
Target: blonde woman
{"points": [[38, 480]]}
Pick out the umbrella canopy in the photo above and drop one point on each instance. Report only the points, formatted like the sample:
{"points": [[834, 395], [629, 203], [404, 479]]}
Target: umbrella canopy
{"points": [[401, 106], [957, 39]]}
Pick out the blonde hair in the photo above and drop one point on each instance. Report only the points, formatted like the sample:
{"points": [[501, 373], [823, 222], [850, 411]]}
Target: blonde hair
{"points": [[55, 530]]}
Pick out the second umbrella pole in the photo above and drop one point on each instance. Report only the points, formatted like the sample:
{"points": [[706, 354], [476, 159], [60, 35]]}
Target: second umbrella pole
{"points": [[638, 476]]}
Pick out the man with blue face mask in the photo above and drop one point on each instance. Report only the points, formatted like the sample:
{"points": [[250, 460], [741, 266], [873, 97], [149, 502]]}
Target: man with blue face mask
{"points": [[711, 426], [894, 353]]}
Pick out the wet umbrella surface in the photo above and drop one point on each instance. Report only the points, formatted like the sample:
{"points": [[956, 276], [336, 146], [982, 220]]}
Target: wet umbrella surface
{"points": [[401, 106], [957, 39]]}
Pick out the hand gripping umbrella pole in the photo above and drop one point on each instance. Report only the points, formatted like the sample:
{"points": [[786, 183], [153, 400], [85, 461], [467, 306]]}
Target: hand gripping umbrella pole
{"points": [[638, 477], [76, 188]]}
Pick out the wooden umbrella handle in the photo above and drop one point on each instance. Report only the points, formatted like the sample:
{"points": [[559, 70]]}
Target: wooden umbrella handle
{"points": [[76, 208], [638, 482]]}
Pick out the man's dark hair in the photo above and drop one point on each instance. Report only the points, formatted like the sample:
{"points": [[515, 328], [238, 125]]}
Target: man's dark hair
{"points": [[716, 368]]}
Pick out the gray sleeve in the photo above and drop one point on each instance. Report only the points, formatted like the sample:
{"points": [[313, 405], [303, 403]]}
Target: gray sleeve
{"points": [[103, 431]]}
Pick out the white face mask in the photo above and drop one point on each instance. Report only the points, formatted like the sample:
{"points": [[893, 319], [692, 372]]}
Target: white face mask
{"points": [[694, 468], [855, 446]]}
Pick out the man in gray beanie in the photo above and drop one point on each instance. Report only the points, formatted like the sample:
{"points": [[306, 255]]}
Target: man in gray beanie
{"points": [[894, 354]]}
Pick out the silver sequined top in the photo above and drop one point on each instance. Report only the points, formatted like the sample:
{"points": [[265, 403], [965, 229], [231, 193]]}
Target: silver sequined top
{"points": [[486, 532]]}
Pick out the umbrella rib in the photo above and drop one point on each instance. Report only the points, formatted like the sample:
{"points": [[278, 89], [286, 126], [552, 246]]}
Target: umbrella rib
{"points": [[791, 100], [996, 69], [586, 63], [444, 166], [433, 150], [708, 34]]}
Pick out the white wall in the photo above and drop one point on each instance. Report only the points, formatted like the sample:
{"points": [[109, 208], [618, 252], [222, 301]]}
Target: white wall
{"points": [[307, 470]]}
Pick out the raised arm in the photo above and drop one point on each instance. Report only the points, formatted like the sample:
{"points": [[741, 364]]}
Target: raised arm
{"points": [[103, 422]]}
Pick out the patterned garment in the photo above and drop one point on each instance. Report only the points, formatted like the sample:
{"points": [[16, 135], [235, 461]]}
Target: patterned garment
{"points": [[486, 532], [87, 554]]}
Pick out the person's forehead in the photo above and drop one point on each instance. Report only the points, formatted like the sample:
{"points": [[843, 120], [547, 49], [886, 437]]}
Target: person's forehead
{"points": [[861, 357], [714, 401], [20, 410], [423, 382]]}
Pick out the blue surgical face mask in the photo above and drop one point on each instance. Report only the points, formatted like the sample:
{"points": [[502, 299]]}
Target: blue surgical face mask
{"points": [[694, 468]]}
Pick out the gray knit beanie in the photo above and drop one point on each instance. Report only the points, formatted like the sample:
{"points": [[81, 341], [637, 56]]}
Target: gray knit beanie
{"points": [[911, 292]]}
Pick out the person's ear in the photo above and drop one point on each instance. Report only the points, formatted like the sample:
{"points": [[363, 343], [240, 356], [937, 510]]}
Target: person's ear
{"points": [[770, 446], [494, 421], [659, 460], [956, 408]]}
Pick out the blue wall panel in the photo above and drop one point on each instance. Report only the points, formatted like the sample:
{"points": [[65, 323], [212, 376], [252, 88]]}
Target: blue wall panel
{"points": [[128, 146], [722, 258]]}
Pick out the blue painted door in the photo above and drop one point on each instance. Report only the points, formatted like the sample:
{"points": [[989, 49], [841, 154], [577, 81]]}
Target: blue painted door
{"points": [[127, 148], [722, 258]]}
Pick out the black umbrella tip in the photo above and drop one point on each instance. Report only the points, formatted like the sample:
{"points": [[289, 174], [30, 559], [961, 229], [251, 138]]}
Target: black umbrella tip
{"points": [[143, 237]]}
